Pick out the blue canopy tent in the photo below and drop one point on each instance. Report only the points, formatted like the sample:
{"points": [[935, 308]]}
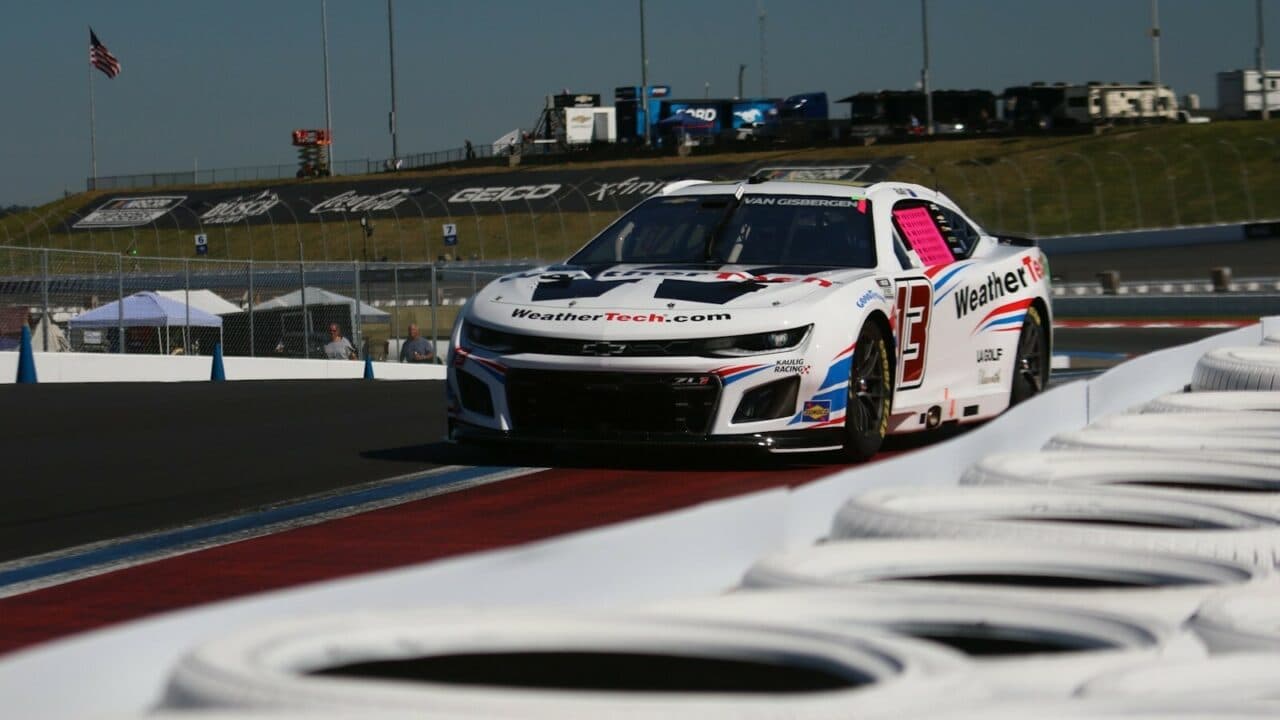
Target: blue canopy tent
{"points": [[146, 309]]}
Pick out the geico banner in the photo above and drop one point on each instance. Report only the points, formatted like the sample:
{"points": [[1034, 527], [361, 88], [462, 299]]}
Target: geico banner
{"points": [[441, 198]]}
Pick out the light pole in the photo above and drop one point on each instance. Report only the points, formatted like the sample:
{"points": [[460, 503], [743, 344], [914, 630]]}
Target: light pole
{"points": [[1262, 66], [391, 47], [741, 69], [924, 72], [1155, 44], [644, 80], [328, 117]]}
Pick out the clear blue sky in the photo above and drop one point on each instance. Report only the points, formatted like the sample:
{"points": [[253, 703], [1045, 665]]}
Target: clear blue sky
{"points": [[223, 83]]}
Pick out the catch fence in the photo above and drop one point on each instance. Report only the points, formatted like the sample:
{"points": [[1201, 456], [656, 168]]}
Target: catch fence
{"points": [[103, 302]]}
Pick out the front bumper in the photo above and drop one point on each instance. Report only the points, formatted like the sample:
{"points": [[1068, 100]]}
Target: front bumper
{"points": [[780, 442]]}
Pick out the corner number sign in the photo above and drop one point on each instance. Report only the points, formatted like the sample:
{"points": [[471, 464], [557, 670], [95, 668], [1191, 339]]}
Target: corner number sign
{"points": [[450, 233], [202, 244]]}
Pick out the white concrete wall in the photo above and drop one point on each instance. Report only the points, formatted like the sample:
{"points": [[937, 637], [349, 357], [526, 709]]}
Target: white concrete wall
{"points": [[101, 367]]}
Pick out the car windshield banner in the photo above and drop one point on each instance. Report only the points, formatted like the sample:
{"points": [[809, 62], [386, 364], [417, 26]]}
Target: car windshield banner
{"points": [[607, 190]]}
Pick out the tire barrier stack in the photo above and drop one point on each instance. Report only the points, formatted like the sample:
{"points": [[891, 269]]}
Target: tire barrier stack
{"points": [[554, 665], [1126, 570], [1164, 520]]}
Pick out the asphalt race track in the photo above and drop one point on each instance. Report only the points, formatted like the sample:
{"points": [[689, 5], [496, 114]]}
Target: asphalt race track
{"points": [[166, 455], [90, 462]]}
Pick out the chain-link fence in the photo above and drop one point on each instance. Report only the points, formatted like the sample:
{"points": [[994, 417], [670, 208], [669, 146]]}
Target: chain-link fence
{"points": [[360, 166], [110, 303]]}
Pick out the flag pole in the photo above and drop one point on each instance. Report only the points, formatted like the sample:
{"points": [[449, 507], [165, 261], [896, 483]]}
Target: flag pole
{"points": [[93, 137]]}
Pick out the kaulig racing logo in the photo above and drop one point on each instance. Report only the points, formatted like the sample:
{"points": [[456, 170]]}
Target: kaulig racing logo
{"points": [[239, 208]]}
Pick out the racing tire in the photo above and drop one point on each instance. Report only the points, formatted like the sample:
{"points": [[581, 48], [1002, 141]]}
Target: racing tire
{"points": [[1240, 676], [1110, 519], [1162, 585], [870, 394], [1237, 424], [1240, 621], [1248, 449], [1031, 359], [1226, 401], [1148, 708], [545, 664], [1016, 648], [1238, 368], [1251, 488]]}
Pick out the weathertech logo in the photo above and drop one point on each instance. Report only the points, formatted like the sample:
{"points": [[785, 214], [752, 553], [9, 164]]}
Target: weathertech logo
{"points": [[523, 314]]}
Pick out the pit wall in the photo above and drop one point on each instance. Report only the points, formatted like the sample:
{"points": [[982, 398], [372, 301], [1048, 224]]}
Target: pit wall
{"points": [[1159, 237], [695, 551], [100, 367]]}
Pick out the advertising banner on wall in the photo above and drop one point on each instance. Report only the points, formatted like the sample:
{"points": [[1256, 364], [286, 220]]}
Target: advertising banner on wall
{"points": [[610, 190]]}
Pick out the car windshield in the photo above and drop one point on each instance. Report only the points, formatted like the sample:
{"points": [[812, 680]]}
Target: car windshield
{"points": [[790, 230]]}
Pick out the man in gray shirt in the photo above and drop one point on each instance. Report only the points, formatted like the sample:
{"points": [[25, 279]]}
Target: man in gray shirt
{"points": [[417, 349], [339, 348]]}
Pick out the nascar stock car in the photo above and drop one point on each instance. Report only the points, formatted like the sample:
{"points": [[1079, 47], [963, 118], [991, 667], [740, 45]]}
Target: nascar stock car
{"points": [[784, 315]]}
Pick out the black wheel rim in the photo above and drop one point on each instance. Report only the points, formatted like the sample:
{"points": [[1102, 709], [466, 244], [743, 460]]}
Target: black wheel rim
{"points": [[1031, 356], [866, 386]]}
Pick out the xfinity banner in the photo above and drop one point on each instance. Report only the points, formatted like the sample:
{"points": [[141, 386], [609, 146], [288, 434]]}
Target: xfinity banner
{"points": [[600, 190]]}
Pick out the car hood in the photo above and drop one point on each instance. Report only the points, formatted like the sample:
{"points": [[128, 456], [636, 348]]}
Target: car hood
{"points": [[667, 287]]}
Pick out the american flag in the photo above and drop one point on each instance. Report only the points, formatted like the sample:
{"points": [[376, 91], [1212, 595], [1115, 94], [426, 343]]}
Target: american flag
{"points": [[101, 58]]}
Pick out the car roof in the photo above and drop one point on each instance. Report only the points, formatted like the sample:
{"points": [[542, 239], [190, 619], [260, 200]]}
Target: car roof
{"points": [[821, 188]]}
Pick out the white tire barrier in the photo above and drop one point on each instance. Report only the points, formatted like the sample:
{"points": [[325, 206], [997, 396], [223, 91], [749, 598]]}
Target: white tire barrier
{"points": [[1240, 676], [1164, 586], [1237, 424], [1238, 368], [1223, 401], [1017, 649], [557, 665], [1208, 708], [1252, 488], [1240, 621], [1062, 515], [1246, 449]]}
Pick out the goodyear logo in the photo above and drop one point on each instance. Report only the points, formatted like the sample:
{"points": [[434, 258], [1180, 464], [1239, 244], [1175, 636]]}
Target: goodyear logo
{"points": [[816, 410]]}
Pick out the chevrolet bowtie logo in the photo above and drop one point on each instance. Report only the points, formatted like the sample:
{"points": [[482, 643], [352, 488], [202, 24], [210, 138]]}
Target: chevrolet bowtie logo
{"points": [[603, 348]]}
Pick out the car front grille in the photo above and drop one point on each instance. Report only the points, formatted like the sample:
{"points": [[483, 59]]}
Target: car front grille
{"points": [[604, 404]]}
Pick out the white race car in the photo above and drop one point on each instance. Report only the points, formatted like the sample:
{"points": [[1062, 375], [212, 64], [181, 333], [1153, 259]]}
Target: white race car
{"points": [[788, 316]]}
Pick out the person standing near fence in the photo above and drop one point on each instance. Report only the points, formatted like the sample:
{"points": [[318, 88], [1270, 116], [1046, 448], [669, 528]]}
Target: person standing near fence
{"points": [[417, 349], [339, 348]]}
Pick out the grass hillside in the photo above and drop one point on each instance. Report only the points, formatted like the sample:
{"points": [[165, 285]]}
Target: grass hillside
{"points": [[1122, 179]]}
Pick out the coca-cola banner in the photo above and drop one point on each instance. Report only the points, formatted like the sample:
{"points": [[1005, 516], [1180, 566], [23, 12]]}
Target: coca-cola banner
{"points": [[442, 196]]}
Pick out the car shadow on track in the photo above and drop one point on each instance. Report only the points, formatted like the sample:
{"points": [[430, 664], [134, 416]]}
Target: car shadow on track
{"points": [[630, 458]]}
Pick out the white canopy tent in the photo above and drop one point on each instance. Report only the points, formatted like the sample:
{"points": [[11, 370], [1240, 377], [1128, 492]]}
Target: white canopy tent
{"points": [[206, 300], [145, 309], [320, 296]]}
